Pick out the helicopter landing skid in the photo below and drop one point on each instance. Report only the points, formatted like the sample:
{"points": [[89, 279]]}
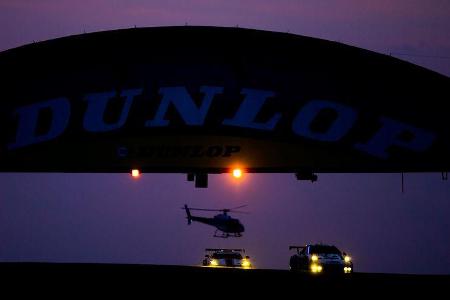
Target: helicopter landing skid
{"points": [[226, 235]]}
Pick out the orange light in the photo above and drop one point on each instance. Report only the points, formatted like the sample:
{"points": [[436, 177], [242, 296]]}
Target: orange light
{"points": [[135, 173], [237, 173]]}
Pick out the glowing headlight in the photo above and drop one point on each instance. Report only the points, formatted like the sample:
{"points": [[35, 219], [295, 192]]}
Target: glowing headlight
{"points": [[316, 268], [314, 258], [347, 259], [347, 269], [214, 262], [245, 263]]}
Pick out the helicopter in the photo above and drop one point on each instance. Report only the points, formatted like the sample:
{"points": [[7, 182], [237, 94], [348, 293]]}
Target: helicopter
{"points": [[230, 227]]}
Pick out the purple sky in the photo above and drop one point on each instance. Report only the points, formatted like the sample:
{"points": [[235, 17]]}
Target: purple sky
{"points": [[113, 218]]}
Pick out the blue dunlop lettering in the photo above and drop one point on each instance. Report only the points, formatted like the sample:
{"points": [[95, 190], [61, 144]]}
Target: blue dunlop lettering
{"points": [[249, 108], [389, 135], [28, 120], [341, 125], [93, 118], [391, 132], [180, 97]]}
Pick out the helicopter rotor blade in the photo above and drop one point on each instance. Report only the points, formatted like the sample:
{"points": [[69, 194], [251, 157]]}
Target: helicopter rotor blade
{"points": [[225, 210], [240, 212], [204, 209], [230, 209]]}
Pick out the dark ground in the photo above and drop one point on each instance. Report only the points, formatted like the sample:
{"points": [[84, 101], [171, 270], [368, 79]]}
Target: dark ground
{"points": [[196, 281]]}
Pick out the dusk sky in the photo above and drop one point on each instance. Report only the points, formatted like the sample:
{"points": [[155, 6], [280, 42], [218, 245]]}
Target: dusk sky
{"points": [[112, 218]]}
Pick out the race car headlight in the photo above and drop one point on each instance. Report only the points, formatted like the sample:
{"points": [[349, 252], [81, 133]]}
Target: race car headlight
{"points": [[315, 268], [314, 258], [213, 262], [347, 259], [245, 263]]}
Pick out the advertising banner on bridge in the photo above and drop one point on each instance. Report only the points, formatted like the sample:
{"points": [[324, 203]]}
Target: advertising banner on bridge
{"points": [[186, 99]]}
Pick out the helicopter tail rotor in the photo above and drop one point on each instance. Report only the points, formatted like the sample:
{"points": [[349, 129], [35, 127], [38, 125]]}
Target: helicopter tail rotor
{"points": [[188, 213]]}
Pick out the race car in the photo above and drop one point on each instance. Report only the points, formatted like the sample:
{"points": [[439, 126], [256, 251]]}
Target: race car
{"points": [[231, 258], [320, 258]]}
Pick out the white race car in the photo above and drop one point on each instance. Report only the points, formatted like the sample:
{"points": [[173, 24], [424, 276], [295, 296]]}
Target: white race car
{"points": [[231, 258], [320, 258]]}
